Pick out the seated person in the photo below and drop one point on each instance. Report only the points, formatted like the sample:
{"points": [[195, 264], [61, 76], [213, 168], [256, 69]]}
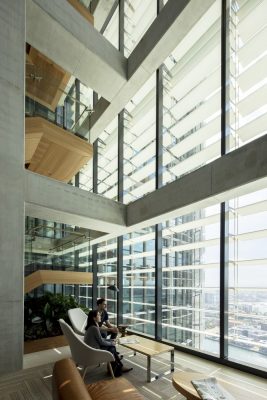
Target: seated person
{"points": [[94, 339], [106, 328]]}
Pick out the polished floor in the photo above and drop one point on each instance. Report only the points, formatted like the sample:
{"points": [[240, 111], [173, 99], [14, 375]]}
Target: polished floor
{"points": [[34, 381], [254, 387]]}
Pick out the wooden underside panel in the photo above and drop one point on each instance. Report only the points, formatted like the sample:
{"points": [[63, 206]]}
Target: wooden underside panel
{"points": [[58, 153], [42, 277], [45, 80], [32, 142]]}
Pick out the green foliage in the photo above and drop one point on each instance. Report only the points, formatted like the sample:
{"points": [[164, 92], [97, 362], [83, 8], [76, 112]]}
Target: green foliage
{"points": [[41, 315]]}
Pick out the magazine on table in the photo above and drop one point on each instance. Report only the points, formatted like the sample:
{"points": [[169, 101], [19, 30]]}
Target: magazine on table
{"points": [[128, 340], [210, 389]]}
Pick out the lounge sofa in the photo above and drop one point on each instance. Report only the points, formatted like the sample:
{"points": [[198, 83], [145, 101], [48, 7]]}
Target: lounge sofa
{"points": [[68, 385]]}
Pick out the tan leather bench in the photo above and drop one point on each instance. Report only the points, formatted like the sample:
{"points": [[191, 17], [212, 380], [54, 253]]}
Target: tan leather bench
{"points": [[68, 385]]}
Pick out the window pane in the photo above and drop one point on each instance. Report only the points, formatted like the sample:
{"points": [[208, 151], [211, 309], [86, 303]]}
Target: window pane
{"points": [[248, 279], [190, 259], [108, 161], [112, 30], [248, 71], [139, 281], [138, 16], [192, 98], [107, 275], [139, 143]]}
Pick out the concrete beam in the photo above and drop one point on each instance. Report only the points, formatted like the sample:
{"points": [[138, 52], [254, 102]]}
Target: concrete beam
{"points": [[173, 23], [238, 173], [75, 45], [51, 200], [235, 174]]}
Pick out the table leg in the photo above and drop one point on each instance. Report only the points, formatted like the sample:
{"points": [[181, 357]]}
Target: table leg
{"points": [[148, 368], [172, 360]]}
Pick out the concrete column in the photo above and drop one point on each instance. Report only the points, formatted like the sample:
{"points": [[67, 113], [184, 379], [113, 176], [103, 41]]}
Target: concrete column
{"points": [[12, 50]]}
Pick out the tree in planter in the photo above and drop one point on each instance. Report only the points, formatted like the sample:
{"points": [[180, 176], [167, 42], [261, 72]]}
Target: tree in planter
{"points": [[41, 315]]}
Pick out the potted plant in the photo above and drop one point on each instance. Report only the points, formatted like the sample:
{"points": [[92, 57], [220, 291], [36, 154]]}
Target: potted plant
{"points": [[41, 315]]}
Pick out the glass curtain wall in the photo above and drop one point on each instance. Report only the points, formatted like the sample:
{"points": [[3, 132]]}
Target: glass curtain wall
{"points": [[107, 185], [107, 275], [192, 102], [138, 16], [111, 32], [248, 71], [83, 260], [247, 332], [53, 246], [247, 337], [86, 177], [108, 161], [191, 272], [139, 280], [140, 143], [139, 179], [191, 139]]}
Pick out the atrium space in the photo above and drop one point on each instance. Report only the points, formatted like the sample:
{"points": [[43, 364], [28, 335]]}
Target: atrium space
{"points": [[133, 153]]}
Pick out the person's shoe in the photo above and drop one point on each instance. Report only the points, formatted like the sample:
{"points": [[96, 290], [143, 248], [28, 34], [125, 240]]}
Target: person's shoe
{"points": [[121, 357], [125, 369]]}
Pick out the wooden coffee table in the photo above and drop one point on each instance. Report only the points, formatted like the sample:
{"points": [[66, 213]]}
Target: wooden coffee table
{"points": [[182, 383], [149, 348]]}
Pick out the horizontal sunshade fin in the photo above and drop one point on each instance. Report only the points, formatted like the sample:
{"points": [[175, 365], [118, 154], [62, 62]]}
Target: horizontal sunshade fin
{"points": [[252, 18], [197, 138], [256, 127], [200, 92], [254, 74], [253, 49], [201, 158], [254, 101]]}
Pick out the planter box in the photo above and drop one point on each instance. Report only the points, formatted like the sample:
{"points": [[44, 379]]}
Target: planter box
{"points": [[32, 346]]}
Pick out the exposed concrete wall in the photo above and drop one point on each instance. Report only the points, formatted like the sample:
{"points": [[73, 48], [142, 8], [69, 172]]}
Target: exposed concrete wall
{"points": [[52, 200], [12, 48]]}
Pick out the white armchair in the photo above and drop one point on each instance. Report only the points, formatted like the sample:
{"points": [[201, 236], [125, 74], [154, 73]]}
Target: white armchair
{"points": [[83, 354], [78, 320]]}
